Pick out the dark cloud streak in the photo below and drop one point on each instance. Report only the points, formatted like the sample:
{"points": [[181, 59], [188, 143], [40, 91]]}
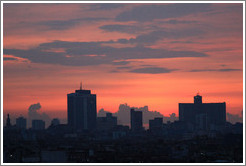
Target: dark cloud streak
{"points": [[9, 59], [160, 11], [131, 29], [179, 22], [121, 63], [93, 53], [106, 6], [212, 70], [67, 24], [155, 36], [58, 25], [152, 70]]}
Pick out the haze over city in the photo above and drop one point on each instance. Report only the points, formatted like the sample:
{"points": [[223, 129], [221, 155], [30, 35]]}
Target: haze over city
{"points": [[123, 54]]}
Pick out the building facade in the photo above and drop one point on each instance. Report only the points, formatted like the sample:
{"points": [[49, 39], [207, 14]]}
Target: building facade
{"points": [[136, 120], [203, 116], [38, 124], [55, 122], [21, 123], [106, 123], [81, 110], [156, 124], [8, 122]]}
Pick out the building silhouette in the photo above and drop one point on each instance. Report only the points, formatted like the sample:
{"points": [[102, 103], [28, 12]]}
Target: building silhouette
{"points": [[38, 124], [81, 110], [55, 122], [156, 125], [8, 122], [106, 123], [136, 120], [21, 123], [203, 116]]}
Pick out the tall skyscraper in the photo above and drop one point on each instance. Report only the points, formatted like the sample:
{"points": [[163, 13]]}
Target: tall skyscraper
{"points": [[203, 116], [136, 120], [21, 122], [81, 110]]}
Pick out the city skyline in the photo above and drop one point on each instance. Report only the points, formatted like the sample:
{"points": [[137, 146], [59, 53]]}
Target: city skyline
{"points": [[82, 113], [123, 54], [201, 135]]}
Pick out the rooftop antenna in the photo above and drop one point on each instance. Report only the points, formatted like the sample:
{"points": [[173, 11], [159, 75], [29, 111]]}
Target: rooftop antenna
{"points": [[198, 93], [81, 85]]}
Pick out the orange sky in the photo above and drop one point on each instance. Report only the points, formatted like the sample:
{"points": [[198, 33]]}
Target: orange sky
{"points": [[123, 54]]}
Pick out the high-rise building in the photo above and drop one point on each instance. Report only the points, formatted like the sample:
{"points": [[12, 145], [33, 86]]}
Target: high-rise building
{"points": [[81, 110], [38, 124], [136, 120], [21, 123], [203, 116]]}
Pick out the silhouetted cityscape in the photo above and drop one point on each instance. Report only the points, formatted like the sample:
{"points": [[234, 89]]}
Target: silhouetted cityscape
{"points": [[201, 135]]}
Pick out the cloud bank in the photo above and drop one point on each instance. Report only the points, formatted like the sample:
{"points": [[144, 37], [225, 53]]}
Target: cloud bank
{"points": [[162, 11], [93, 53]]}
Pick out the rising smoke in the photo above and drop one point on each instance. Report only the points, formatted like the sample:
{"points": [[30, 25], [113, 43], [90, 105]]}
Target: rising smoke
{"points": [[234, 118], [34, 113]]}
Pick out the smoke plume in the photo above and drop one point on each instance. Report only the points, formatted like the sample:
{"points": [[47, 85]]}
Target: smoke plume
{"points": [[234, 118], [34, 113]]}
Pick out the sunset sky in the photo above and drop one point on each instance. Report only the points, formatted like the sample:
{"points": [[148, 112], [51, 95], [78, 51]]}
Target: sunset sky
{"points": [[141, 54]]}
